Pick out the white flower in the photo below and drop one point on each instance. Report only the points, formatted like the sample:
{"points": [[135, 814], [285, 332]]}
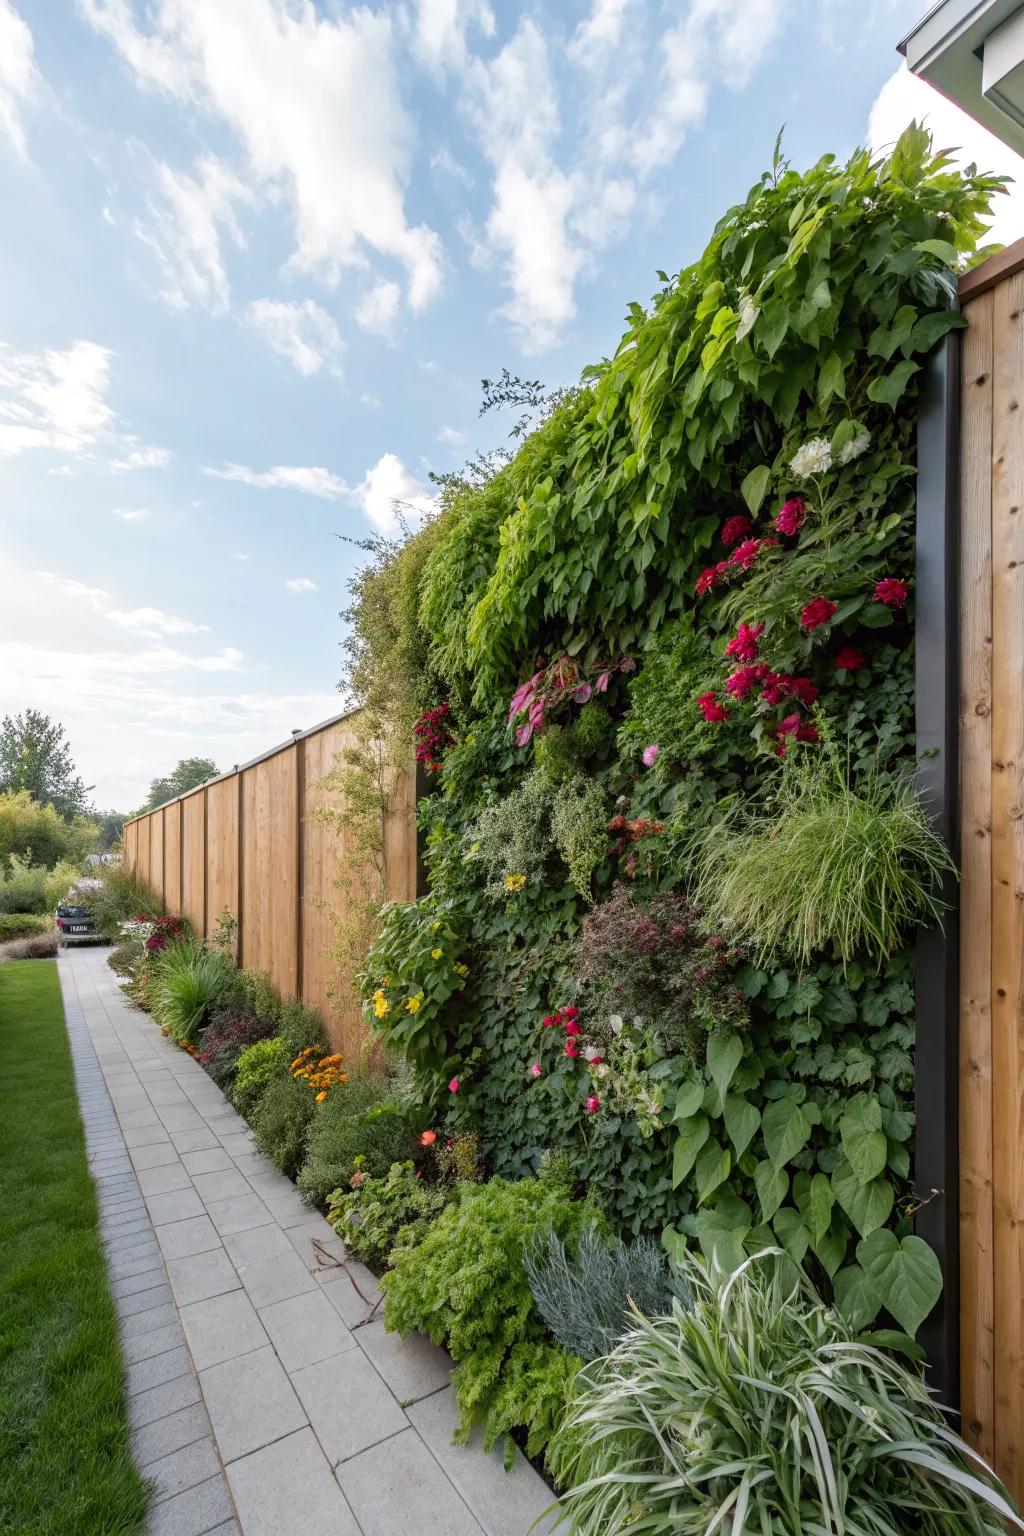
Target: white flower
{"points": [[615, 1022], [811, 458], [591, 1052], [855, 447]]}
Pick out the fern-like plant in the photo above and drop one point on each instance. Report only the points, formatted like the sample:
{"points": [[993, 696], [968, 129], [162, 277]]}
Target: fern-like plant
{"points": [[756, 1410], [585, 1296], [825, 862]]}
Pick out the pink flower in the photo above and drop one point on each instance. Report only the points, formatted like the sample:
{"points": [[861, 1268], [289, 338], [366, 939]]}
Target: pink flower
{"points": [[582, 694], [710, 708], [816, 613], [735, 528], [550, 1021], [744, 643], [650, 754], [711, 577], [572, 1012], [803, 689], [791, 516], [523, 734], [453, 1086], [789, 726], [627, 664], [746, 553], [892, 592], [572, 1049], [850, 659], [601, 684], [593, 1104], [536, 1070], [742, 682], [572, 1027]]}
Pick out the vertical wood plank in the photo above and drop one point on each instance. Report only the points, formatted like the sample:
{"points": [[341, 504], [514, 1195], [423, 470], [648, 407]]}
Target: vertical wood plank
{"points": [[156, 852], [221, 851], [143, 850], [976, 1252], [172, 857], [193, 859], [1008, 876]]}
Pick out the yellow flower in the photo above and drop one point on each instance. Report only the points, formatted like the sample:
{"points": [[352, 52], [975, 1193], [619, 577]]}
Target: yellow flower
{"points": [[463, 970], [434, 927], [381, 1008], [435, 954], [414, 1004], [321, 1096], [514, 882]]}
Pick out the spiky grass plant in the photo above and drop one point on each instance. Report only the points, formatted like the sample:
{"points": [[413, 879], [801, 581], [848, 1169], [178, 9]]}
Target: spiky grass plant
{"points": [[584, 1295], [755, 1412], [823, 862], [189, 984]]}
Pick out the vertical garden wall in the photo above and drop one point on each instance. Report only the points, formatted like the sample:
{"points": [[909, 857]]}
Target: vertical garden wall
{"points": [[663, 665]]}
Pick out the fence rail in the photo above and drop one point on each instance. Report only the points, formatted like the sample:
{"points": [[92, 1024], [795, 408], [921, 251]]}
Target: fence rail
{"points": [[251, 844]]}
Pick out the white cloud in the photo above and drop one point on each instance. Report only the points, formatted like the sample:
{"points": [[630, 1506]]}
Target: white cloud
{"points": [[141, 458], [131, 514], [154, 621], [68, 586], [309, 479], [313, 102], [451, 436], [378, 310], [388, 490], [904, 97], [601, 30], [441, 27], [189, 217], [303, 333], [19, 77], [445, 166], [54, 399], [301, 584]]}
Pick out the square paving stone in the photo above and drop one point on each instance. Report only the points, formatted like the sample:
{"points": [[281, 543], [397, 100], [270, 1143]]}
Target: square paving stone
{"points": [[158, 1369], [237, 1143], [287, 1210], [198, 1276], [153, 1441], [193, 1141], [250, 1402], [213, 1187], [157, 1181], [268, 1265], [222, 1327], [184, 1468], [156, 1155], [399, 1486], [288, 1489], [206, 1160], [193, 1513], [353, 1306], [314, 1228], [505, 1503], [349, 1406], [305, 1329], [194, 1235], [176, 1205], [413, 1367], [239, 1215]]}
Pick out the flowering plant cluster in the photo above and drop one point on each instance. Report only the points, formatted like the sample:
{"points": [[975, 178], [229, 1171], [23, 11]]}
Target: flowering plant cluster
{"points": [[318, 1076], [433, 737], [536, 702]]}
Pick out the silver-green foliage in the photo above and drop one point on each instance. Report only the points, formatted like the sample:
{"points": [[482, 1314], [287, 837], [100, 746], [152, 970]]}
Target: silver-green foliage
{"points": [[826, 863], [584, 1295], [756, 1411], [518, 834]]}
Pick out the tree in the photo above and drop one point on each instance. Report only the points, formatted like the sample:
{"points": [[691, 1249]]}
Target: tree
{"points": [[188, 774], [35, 755], [111, 825]]}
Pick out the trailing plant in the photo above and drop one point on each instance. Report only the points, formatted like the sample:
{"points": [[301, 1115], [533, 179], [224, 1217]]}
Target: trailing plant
{"points": [[759, 1407], [465, 1285], [361, 1120], [257, 1066], [585, 1296], [824, 864], [378, 1216]]}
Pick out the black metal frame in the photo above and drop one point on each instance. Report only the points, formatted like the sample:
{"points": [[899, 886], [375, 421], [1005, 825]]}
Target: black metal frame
{"points": [[937, 702]]}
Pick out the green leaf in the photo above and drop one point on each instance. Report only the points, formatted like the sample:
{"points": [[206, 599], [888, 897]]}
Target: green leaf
{"points": [[831, 379], [693, 1133], [818, 1208], [688, 1100], [940, 248], [931, 328], [754, 486], [772, 325], [831, 1247], [792, 1233], [863, 1138], [741, 1121], [713, 1168], [907, 1274], [771, 1184], [868, 1205], [786, 1128], [888, 390], [857, 1296], [722, 1232], [724, 1054]]}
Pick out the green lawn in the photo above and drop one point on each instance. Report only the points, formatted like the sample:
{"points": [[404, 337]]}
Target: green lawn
{"points": [[65, 1463]]}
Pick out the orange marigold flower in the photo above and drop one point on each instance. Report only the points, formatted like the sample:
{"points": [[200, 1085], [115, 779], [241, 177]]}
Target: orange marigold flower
{"points": [[428, 1138], [321, 1096]]}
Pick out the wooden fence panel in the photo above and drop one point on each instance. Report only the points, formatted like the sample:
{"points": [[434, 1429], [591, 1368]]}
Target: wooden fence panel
{"points": [[270, 868], [143, 851], [130, 845], [193, 859], [156, 852], [172, 856], [325, 894], [221, 851]]}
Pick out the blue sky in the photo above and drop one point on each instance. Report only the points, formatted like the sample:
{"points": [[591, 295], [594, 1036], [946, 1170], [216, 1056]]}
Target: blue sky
{"points": [[258, 255]]}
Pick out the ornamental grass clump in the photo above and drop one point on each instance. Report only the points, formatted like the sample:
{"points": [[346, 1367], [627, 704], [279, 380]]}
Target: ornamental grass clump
{"points": [[758, 1411], [188, 985], [825, 863]]}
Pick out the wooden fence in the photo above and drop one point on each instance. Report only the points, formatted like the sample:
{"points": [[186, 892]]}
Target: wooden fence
{"points": [[250, 843], [991, 728]]}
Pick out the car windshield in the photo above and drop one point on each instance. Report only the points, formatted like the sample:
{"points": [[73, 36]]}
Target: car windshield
{"points": [[66, 911]]}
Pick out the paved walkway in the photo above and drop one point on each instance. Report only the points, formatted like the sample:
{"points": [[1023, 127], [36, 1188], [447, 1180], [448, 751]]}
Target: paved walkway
{"points": [[265, 1396]]}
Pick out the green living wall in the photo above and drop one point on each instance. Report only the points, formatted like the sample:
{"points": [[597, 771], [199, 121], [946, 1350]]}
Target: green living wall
{"points": [[662, 664]]}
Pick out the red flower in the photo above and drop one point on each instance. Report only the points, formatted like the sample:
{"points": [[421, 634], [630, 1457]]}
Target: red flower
{"points": [[735, 528], [710, 708], [850, 659], [743, 681], [550, 1021], [791, 515], [789, 726], [745, 554], [711, 577], [744, 644], [817, 612], [572, 1012], [892, 592], [803, 689], [593, 1104], [572, 1049], [571, 1027]]}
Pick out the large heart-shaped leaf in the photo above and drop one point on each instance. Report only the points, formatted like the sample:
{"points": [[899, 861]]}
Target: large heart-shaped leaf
{"points": [[741, 1121], [724, 1054], [907, 1274], [771, 1184], [858, 1296], [713, 1167], [693, 1133], [868, 1206], [863, 1138], [786, 1128]]}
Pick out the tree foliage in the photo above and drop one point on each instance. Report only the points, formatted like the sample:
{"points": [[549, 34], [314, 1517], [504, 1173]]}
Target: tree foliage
{"points": [[35, 755]]}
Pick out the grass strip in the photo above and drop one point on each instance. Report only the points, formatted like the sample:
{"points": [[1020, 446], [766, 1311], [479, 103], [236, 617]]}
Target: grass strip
{"points": [[66, 1467]]}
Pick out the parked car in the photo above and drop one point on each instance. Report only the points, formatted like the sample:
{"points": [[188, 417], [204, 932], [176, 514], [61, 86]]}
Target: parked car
{"points": [[75, 923]]}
